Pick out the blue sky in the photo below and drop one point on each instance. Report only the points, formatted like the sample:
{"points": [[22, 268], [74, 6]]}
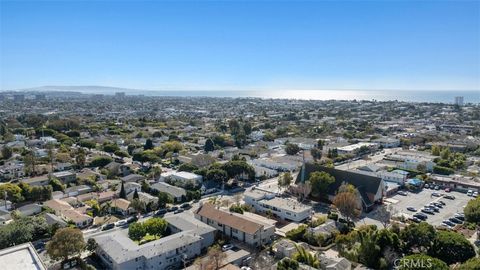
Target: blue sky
{"points": [[432, 45]]}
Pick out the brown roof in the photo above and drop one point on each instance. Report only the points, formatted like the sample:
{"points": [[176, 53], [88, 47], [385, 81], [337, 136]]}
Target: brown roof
{"points": [[121, 203], [57, 205], [75, 216], [236, 222]]}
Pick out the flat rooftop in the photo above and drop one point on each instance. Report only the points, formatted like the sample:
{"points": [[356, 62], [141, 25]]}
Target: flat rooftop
{"points": [[21, 257]]}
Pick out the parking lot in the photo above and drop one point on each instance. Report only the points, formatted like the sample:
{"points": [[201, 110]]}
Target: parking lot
{"points": [[424, 197]]}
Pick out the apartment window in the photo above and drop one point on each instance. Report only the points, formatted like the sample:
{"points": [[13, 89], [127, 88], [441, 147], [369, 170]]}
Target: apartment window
{"points": [[219, 224], [235, 230]]}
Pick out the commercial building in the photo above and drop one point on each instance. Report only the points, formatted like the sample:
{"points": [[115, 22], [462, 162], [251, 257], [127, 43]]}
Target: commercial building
{"points": [[354, 149], [284, 208]]}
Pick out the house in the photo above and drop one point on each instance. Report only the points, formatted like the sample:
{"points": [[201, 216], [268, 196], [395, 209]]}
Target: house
{"points": [[38, 181], [187, 240], [133, 178], [105, 196], [142, 196], [387, 142], [66, 176], [284, 208], [23, 256], [411, 160], [12, 171], [52, 219], [177, 193], [121, 206], [236, 226], [77, 190], [30, 209], [64, 210], [181, 177], [64, 166], [131, 187], [334, 263], [370, 187]]}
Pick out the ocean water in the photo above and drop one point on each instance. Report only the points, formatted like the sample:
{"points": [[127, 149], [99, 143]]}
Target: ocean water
{"points": [[379, 95]]}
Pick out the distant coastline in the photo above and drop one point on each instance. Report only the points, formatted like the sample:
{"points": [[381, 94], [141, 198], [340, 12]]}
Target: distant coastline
{"points": [[434, 96]]}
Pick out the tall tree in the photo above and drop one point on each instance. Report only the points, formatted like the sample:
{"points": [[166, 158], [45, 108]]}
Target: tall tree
{"points": [[348, 203], [285, 180], [80, 158], [6, 152], [209, 145], [123, 194], [148, 144], [163, 199], [452, 247], [215, 257], [320, 182], [418, 237], [65, 243], [135, 194]]}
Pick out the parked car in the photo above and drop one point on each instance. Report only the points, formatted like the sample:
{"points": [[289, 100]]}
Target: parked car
{"points": [[439, 205], [403, 193], [437, 188], [227, 247], [450, 197], [411, 209], [426, 186], [470, 192], [186, 206], [475, 194], [455, 220], [121, 223], [442, 202], [414, 219], [421, 216], [459, 217], [131, 219], [178, 211], [428, 211], [108, 227], [436, 194], [448, 189], [448, 224], [172, 209], [161, 212]]}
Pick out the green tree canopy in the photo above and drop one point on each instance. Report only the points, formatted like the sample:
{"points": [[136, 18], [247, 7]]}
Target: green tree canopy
{"points": [[65, 243], [452, 247]]}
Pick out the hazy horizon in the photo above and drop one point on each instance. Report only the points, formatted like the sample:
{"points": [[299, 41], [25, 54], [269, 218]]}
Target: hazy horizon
{"points": [[237, 45]]}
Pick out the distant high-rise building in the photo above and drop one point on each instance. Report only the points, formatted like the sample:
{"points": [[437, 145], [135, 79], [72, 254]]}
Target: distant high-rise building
{"points": [[459, 101], [120, 94], [18, 97]]}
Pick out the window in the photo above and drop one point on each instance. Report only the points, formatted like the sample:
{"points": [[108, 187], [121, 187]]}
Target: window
{"points": [[235, 230]]}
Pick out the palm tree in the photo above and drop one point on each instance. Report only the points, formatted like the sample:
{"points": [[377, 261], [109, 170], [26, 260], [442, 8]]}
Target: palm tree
{"points": [[305, 257]]}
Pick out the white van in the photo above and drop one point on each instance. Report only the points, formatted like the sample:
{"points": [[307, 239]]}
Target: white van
{"points": [[469, 192]]}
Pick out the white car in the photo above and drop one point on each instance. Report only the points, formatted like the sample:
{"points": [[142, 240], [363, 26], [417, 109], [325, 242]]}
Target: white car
{"points": [[469, 192], [475, 194], [227, 247]]}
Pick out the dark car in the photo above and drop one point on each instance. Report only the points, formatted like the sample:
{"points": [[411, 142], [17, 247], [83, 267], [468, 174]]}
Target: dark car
{"points": [[428, 211], [414, 219], [161, 212], [439, 205], [403, 193], [172, 209], [442, 202], [186, 206], [449, 223], [108, 227], [178, 211], [450, 197], [420, 216], [411, 209], [455, 220], [436, 194], [131, 219], [462, 218]]}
